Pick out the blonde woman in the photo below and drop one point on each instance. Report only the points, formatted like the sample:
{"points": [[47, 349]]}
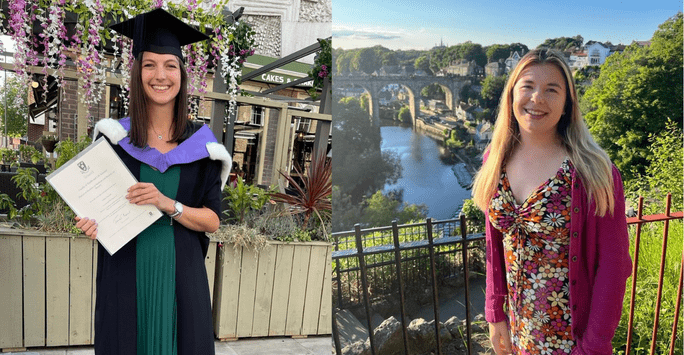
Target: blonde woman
{"points": [[557, 243]]}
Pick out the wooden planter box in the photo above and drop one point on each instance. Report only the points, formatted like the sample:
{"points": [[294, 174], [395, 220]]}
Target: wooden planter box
{"points": [[47, 288], [285, 289]]}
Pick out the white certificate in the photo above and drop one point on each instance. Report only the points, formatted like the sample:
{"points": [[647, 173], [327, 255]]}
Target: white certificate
{"points": [[94, 185]]}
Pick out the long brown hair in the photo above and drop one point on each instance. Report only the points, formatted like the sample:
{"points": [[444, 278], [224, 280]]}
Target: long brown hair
{"points": [[590, 161], [137, 108]]}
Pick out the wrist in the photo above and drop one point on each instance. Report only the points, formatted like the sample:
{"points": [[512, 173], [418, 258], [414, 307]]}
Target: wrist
{"points": [[177, 210], [168, 206]]}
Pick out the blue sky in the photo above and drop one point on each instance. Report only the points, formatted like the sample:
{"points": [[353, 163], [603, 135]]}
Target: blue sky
{"points": [[409, 24]]}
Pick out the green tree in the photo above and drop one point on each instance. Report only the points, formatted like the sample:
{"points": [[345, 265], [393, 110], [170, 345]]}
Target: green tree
{"points": [[343, 62], [563, 43], [492, 87], [422, 63], [360, 167], [518, 47], [15, 94], [346, 214], [381, 210], [503, 51], [404, 114], [473, 51], [497, 51], [635, 94], [366, 60], [389, 58], [664, 173], [433, 91]]}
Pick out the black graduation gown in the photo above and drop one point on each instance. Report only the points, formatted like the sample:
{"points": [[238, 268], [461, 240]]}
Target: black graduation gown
{"points": [[115, 306]]}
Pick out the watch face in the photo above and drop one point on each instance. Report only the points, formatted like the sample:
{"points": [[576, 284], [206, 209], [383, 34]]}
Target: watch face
{"points": [[179, 207]]}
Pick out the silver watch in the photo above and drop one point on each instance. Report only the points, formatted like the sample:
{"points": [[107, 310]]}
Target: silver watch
{"points": [[178, 210]]}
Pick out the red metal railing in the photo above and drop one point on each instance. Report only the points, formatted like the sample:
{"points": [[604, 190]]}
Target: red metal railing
{"points": [[639, 220]]}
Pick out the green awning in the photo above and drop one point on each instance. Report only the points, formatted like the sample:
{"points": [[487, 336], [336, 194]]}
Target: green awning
{"points": [[285, 74]]}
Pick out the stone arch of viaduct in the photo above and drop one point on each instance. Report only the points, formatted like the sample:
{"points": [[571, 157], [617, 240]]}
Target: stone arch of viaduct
{"points": [[374, 84]]}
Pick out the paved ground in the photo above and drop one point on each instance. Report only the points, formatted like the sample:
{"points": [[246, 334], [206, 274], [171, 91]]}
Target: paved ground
{"points": [[256, 346]]}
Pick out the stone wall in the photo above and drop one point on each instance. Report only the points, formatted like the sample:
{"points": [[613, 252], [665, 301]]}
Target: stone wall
{"points": [[268, 34], [285, 26], [315, 11]]}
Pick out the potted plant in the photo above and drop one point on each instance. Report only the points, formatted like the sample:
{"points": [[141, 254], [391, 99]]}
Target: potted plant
{"points": [[49, 141], [49, 266], [270, 264]]}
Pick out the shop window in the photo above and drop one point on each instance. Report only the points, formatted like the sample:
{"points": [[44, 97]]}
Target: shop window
{"points": [[257, 116], [304, 125]]}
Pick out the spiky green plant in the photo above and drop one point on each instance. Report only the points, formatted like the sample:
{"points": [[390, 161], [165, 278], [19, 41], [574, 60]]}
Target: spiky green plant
{"points": [[313, 194]]}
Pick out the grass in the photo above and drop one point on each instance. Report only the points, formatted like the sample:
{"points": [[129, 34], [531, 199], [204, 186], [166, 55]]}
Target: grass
{"points": [[647, 288]]}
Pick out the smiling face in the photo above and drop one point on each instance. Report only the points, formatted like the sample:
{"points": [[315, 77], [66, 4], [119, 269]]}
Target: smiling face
{"points": [[539, 97], [161, 78]]}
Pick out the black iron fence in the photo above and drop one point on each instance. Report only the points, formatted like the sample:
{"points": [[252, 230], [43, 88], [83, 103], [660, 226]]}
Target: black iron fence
{"points": [[374, 263]]}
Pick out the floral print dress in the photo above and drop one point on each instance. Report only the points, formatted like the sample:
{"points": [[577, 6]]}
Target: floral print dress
{"points": [[536, 239]]}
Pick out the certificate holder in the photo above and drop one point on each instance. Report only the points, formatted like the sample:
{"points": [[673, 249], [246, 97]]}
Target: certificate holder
{"points": [[94, 184]]}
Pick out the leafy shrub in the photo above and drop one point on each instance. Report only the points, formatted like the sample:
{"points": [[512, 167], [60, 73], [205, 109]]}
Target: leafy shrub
{"points": [[28, 153], [45, 209], [244, 198], [9, 155], [67, 149]]}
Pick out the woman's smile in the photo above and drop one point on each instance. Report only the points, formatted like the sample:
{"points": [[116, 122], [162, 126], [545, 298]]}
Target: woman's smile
{"points": [[539, 99], [161, 78]]}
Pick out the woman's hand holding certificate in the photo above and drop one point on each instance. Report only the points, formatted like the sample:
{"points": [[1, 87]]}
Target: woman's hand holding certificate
{"points": [[95, 185]]}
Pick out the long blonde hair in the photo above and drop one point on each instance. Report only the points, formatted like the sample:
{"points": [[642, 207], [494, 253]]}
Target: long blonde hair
{"points": [[590, 161]]}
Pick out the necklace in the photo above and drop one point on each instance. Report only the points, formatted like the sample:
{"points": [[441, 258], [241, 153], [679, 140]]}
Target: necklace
{"points": [[159, 136]]}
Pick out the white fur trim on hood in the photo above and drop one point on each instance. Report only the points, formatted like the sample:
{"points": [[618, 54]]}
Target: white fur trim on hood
{"points": [[218, 152], [110, 128]]}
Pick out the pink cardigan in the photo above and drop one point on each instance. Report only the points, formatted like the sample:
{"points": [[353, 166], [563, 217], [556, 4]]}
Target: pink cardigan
{"points": [[599, 266]]}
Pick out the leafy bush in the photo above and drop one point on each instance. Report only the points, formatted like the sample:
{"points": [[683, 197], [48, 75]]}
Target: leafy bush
{"points": [[404, 114], [244, 198], [28, 153], [67, 149], [9, 155], [475, 216], [45, 209]]}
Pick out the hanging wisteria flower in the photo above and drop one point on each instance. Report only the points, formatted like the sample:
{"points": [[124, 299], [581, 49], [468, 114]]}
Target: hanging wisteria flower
{"points": [[20, 29], [235, 43], [90, 59]]}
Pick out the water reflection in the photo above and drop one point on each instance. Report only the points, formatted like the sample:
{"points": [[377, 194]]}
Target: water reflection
{"points": [[427, 172]]}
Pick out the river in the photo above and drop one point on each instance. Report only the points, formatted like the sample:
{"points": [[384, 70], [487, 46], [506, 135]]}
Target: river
{"points": [[427, 176]]}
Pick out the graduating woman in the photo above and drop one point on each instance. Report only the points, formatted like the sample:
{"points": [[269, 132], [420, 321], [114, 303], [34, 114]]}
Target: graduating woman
{"points": [[556, 232], [153, 294]]}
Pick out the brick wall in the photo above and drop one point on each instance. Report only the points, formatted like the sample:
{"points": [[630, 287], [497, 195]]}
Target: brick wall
{"points": [[68, 123], [269, 155]]}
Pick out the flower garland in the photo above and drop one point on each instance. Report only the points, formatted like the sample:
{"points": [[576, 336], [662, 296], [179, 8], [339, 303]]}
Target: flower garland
{"points": [[90, 59], [231, 45], [126, 67], [54, 33], [322, 67], [234, 50], [20, 29]]}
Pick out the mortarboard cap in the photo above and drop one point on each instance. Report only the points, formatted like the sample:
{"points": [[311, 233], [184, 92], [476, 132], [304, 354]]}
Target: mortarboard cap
{"points": [[159, 32]]}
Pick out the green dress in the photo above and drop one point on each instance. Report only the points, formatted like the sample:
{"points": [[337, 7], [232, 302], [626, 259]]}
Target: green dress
{"points": [[156, 273]]}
